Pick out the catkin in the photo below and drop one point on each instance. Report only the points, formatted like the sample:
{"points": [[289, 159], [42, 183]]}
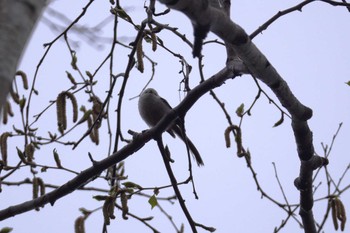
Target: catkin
{"points": [[3, 145], [61, 112], [139, 56], [74, 104], [24, 79]]}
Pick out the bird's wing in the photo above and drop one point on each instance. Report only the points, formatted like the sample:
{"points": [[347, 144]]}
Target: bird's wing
{"points": [[165, 102], [170, 131]]}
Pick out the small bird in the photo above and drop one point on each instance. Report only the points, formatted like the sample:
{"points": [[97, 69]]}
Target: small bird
{"points": [[153, 108]]}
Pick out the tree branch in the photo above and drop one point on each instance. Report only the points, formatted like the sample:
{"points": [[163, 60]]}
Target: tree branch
{"points": [[174, 184], [236, 38], [138, 142], [253, 58]]}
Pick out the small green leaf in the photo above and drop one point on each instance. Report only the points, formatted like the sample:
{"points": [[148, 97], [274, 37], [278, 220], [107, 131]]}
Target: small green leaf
{"points": [[6, 230], [348, 83], [147, 219], [20, 154], [240, 110], [100, 197], [57, 158], [71, 78], [122, 14], [88, 73], [148, 39], [160, 41], [130, 184], [52, 136], [22, 103], [153, 201], [32, 129], [84, 211]]}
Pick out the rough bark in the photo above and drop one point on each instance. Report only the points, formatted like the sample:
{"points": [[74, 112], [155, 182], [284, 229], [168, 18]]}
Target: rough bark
{"points": [[17, 20], [204, 12]]}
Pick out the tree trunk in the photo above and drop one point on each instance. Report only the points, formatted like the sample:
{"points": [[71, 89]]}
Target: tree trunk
{"points": [[17, 20]]}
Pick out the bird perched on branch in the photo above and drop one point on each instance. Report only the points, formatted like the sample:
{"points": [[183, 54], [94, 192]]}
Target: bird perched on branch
{"points": [[153, 108]]}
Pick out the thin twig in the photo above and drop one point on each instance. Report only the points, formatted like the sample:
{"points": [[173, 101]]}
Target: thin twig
{"points": [[174, 184]]}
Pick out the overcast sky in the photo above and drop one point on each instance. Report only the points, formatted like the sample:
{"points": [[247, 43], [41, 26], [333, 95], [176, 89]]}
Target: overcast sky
{"points": [[310, 49]]}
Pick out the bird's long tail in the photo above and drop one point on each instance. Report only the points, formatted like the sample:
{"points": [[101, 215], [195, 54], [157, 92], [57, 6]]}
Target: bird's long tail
{"points": [[190, 145]]}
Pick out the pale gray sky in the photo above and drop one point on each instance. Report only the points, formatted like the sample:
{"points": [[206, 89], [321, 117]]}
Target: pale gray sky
{"points": [[310, 49]]}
